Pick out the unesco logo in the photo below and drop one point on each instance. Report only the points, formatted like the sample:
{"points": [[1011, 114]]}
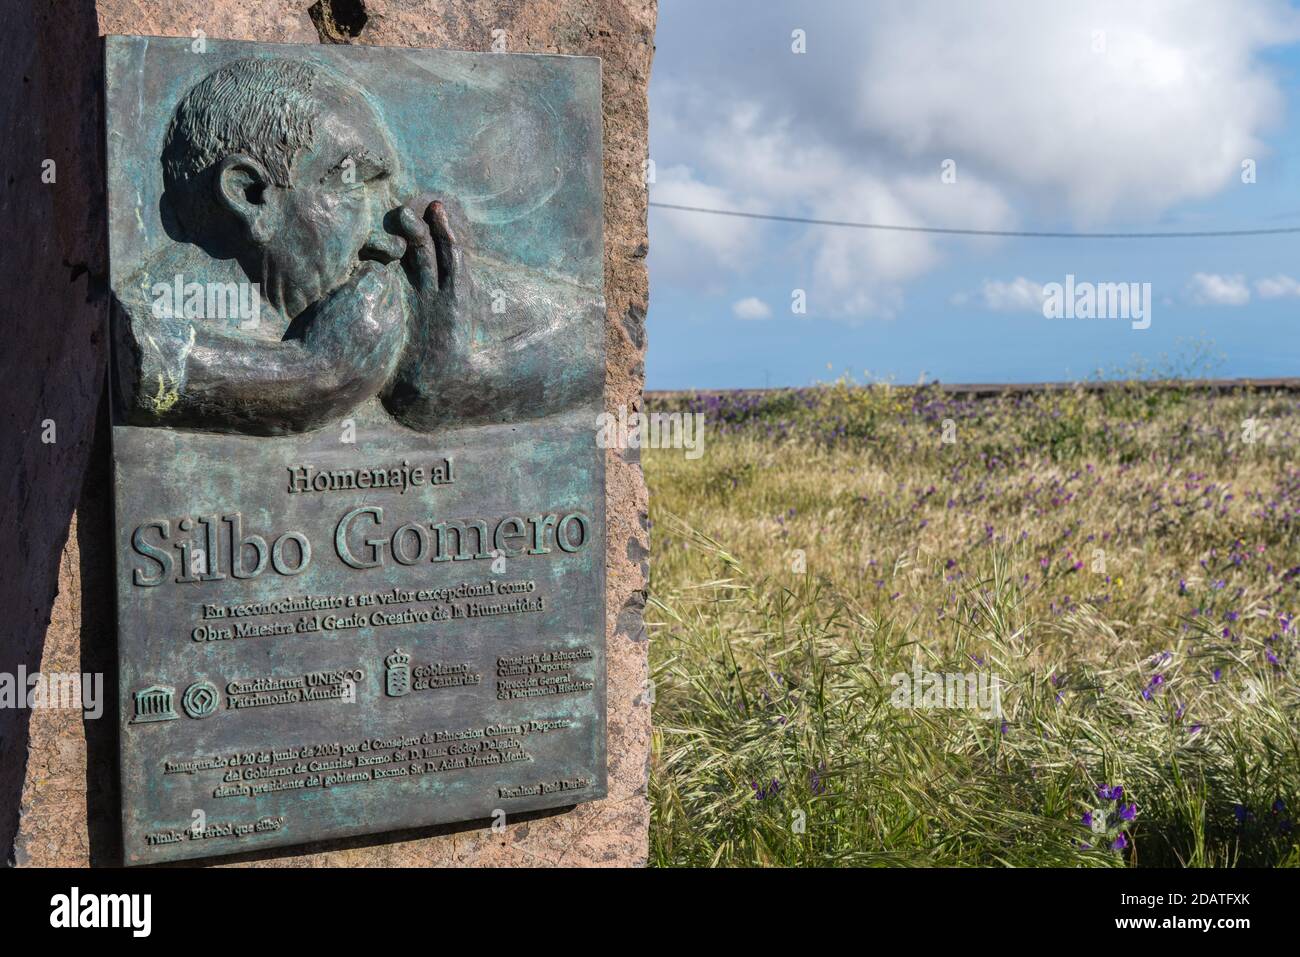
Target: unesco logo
{"points": [[200, 699]]}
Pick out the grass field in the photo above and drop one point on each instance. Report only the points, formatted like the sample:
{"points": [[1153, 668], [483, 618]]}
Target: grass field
{"points": [[1119, 567]]}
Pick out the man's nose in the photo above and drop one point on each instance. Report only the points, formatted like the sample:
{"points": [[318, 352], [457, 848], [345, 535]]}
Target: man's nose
{"points": [[383, 246]]}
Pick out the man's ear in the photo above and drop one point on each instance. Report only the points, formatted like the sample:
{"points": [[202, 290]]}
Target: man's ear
{"points": [[244, 189]]}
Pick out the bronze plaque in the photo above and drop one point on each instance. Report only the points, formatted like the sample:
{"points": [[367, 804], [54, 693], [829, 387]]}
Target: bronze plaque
{"points": [[358, 359]]}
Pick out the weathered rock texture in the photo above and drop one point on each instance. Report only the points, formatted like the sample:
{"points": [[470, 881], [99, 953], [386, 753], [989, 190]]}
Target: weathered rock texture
{"points": [[58, 791]]}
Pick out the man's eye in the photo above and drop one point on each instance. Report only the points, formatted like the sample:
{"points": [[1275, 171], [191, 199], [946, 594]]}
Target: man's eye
{"points": [[357, 170], [357, 179]]}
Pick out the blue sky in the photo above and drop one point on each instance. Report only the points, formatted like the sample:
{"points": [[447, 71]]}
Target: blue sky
{"points": [[1087, 117]]}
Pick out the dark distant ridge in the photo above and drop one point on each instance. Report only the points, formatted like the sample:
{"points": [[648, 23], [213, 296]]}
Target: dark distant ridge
{"points": [[989, 389]]}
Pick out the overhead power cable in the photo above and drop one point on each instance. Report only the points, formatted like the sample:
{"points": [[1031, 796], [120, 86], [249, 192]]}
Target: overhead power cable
{"points": [[955, 231]]}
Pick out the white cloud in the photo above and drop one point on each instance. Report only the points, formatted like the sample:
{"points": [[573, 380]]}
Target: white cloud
{"points": [[772, 168], [751, 307], [1211, 289], [860, 272], [695, 246], [1018, 295], [1164, 112], [1277, 287], [1043, 129]]}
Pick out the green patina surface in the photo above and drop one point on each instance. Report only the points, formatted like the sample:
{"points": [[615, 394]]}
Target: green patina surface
{"points": [[312, 643]]}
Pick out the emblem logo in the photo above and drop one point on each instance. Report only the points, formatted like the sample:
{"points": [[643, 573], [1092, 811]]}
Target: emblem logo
{"points": [[201, 699], [397, 673], [154, 704]]}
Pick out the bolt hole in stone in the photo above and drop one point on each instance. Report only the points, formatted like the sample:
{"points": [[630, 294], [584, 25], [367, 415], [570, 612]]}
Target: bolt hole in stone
{"points": [[339, 21]]}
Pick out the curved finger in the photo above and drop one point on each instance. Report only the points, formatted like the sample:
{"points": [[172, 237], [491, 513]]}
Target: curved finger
{"points": [[421, 251], [444, 242]]}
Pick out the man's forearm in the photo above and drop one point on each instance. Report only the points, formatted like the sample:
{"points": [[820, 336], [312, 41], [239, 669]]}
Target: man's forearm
{"points": [[265, 388], [219, 382]]}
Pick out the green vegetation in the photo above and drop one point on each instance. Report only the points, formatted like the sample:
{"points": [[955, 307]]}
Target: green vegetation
{"points": [[1124, 562]]}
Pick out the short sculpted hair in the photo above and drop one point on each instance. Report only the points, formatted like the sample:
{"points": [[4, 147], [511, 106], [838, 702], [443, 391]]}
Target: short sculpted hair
{"points": [[262, 107]]}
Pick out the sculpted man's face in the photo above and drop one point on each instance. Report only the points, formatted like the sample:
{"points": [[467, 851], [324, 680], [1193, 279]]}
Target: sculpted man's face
{"points": [[312, 236]]}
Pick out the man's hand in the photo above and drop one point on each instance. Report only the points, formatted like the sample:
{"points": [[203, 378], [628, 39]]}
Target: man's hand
{"points": [[362, 319], [434, 267]]}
